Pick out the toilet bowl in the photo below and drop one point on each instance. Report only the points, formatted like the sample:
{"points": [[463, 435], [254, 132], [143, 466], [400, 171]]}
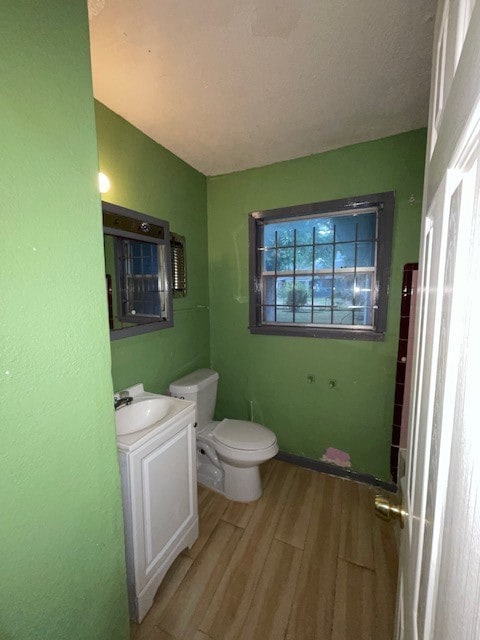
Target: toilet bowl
{"points": [[242, 446], [228, 452]]}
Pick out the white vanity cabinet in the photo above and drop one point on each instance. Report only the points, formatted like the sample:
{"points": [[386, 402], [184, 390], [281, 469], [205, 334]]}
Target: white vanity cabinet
{"points": [[159, 491]]}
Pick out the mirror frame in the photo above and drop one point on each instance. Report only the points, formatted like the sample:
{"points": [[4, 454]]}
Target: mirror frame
{"points": [[137, 234]]}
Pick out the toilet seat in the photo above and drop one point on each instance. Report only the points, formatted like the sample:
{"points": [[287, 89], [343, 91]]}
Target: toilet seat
{"points": [[243, 435]]}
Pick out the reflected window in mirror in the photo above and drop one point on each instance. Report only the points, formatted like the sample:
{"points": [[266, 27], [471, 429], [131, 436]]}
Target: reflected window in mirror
{"points": [[137, 271]]}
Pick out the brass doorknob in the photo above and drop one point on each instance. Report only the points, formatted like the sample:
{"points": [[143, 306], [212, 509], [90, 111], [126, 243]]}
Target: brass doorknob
{"points": [[386, 511]]}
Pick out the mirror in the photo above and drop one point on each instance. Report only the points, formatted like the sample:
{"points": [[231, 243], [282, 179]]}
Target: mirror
{"points": [[137, 271]]}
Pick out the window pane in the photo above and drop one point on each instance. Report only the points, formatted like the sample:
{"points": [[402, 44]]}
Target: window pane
{"points": [[365, 254], [304, 260], [292, 295], [322, 315], [363, 290], [269, 235], [285, 260], [322, 290], [305, 231], [362, 226], [345, 255], [343, 291], [364, 316], [284, 285], [269, 260], [367, 226], [268, 314], [323, 256], [345, 228], [324, 230], [284, 314], [303, 315], [269, 290], [284, 234], [150, 259], [136, 248], [303, 291], [145, 257], [343, 317], [136, 266]]}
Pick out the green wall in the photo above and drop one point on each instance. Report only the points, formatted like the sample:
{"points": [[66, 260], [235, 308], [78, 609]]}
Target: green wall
{"points": [[147, 178], [267, 375], [62, 568]]}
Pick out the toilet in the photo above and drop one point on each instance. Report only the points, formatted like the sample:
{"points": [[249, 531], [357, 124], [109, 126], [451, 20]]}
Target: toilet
{"points": [[228, 452]]}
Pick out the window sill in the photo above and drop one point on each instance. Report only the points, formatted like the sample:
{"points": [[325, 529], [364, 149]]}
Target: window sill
{"points": [[135, 330], [318, 332]]}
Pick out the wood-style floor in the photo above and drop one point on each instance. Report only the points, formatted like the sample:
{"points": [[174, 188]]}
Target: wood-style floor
{"points": [[308, 561]]}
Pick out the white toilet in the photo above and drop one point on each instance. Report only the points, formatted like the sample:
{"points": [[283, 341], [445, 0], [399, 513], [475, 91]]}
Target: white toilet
{"points": [[228, 452]]}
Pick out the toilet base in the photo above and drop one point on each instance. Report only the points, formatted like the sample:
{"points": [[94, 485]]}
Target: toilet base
{"points": [[248, 492], [210, 472], [242, 484]]}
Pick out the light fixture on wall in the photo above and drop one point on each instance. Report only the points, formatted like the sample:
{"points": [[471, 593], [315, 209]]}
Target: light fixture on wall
{"points": [[103, 183]]}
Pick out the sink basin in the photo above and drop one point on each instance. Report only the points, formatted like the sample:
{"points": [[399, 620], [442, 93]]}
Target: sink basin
{"points": [[141, 414]]}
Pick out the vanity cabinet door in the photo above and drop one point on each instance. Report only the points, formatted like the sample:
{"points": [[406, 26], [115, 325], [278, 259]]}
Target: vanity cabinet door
{"points": [[164, 499]]}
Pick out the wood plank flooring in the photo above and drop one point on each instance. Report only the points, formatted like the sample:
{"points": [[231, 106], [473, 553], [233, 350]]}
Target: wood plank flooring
{"points": [[308, 561]]}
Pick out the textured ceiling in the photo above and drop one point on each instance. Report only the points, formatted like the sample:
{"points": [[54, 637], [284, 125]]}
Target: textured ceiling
{"points": [[232, 84]]}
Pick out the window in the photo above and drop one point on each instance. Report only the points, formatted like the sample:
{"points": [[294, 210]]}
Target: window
{"points": [[322, 269], [142, 283], [137, 270]]}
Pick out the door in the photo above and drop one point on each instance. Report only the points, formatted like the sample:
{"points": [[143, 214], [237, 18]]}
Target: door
{"points": [[164, 492], [439, 579]]}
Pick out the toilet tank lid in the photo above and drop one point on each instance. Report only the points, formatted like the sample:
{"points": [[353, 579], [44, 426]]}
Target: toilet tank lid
{"points": [[193, 382]]}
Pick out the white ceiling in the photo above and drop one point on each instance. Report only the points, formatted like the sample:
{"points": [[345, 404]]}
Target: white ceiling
{"points": [[232, 84]]}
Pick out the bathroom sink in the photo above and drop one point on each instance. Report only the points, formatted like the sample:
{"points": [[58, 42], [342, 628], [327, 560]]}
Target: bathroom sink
{"points": [[141, 414]]}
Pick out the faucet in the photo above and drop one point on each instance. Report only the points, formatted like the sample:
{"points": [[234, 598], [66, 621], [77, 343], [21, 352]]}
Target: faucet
{"points": [[121, 399]]}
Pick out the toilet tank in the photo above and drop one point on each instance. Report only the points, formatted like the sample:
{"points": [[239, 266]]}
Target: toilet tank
{"points": [[201, 387]]}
